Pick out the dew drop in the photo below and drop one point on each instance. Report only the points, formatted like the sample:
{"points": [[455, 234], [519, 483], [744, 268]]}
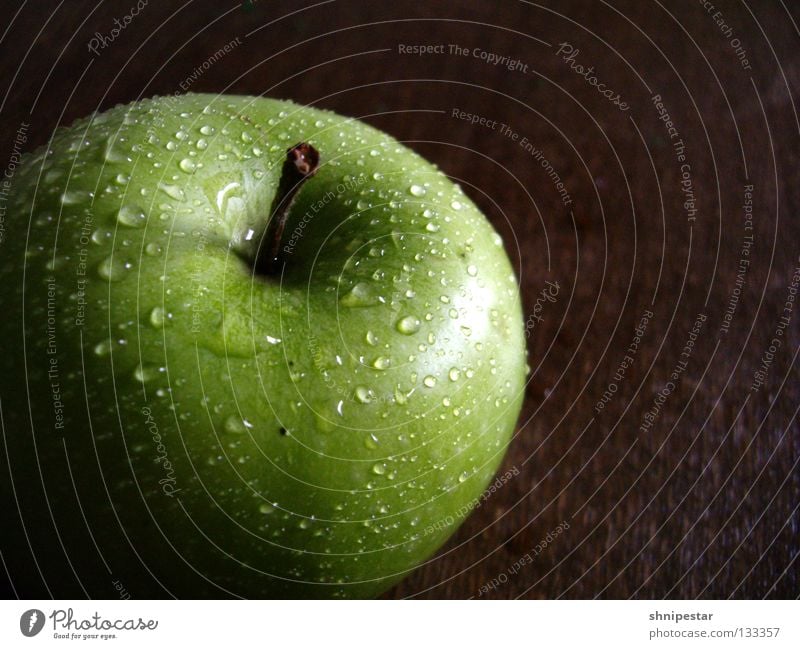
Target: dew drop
{"points": [[371, 442], [454, 374], [266, 508], [429, 381], [472, 270], [152, 249], [456, 205], [379, 468], [416, 190]]}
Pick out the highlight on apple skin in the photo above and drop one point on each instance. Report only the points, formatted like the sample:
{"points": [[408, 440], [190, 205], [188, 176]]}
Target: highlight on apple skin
{"points": [[182, 422]]}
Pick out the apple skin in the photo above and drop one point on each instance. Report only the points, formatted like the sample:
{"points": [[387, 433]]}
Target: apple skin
{"points": [[177, 424]]}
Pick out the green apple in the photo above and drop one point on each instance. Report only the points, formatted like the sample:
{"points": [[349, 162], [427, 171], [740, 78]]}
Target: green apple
{"points": [[181, 418]]}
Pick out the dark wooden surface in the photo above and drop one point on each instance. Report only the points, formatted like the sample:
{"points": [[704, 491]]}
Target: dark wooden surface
{"points": [[704, 502]]}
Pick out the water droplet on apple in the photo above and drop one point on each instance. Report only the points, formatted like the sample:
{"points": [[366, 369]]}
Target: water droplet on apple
{"points": [[408, 325], [103, 348], [379, 468], [266, 508], [371, 442], [464, 475], [113, 152], [456, 205], [381, 363], [131, 216], [145, 373], [364, 394], [111, 269], [429, 381], [54, 263], [472, 270], [235, 425], [158, 317], [73, 197], [454, 374], [358, 296], [173, 191], [152, 249], [187, 165], [417, 190], [207, 129]]}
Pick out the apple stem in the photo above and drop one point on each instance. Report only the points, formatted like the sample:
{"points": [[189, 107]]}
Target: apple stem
{"points": [[302, 162]]}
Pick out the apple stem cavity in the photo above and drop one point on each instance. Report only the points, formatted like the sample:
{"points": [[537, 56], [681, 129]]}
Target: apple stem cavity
{"points": [[301, 163]]}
